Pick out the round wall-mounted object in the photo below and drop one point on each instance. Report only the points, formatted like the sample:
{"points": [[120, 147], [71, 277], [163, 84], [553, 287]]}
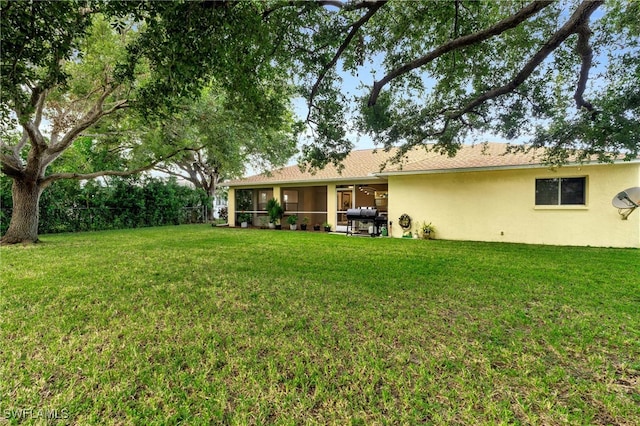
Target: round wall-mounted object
{"points": [[405, 221]]}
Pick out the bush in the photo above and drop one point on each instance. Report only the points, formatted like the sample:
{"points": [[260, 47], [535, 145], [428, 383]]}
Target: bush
{"points": [[69, 206]]}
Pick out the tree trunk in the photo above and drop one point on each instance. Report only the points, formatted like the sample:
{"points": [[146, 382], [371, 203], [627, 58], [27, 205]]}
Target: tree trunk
{"points": [[211, 210], [23, 227], [212, 204], [211, 187]]}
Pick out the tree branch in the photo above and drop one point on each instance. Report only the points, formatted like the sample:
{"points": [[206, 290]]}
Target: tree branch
{"points": [[198, 175], [460, 42], [583, 48], [86, 176], [171, 172], [335, 3], [203, 170], [575, 22], [455, 27], [10, 166], [31, 127], [186, 165], [373, 8], [456, 17], [339, 4], [14, 159], [89, 119], [366, 4], [35, 136], [40, 106]]}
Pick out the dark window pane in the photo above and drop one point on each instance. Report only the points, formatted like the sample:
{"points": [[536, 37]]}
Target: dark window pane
{"points": [[244, 199], [547, 192], [572, 191]]}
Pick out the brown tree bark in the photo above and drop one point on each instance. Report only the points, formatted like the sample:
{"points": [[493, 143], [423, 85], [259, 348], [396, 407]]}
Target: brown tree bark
{"points": [[23, 227]]}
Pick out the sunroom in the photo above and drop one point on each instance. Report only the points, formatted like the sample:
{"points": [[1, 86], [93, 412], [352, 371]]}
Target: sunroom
{"points": [[315, 205]]}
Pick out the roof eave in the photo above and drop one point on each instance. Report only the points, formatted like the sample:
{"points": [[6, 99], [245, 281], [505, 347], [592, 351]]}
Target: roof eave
{"points": [[372, 178], [495, 168]]}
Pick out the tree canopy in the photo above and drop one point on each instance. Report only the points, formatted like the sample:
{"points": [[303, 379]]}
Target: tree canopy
{"points": [[220, 142], [560, 75], [556, 74], [106, 57]]}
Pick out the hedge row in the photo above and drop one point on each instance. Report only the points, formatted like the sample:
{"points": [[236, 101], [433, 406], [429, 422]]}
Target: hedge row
{"points": [[69, 206]]}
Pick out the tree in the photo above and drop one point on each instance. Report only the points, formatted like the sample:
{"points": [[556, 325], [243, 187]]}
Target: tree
{"points": [[83, 67], [221, 142], [560, 75]]}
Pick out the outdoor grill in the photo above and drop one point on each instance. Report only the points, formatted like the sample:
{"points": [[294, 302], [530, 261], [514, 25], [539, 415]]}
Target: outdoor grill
{"points": [[368, 216]]}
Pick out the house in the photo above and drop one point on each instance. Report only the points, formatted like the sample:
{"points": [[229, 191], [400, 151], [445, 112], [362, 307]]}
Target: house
{"points": [[481, 194]]}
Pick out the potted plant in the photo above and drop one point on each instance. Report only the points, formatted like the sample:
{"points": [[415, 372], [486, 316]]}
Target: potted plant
{"points": [[244, 219], [305, 222], [316, 227], [292, 221], [264, 220], [275, 211], [327, 227], [427, 230]]}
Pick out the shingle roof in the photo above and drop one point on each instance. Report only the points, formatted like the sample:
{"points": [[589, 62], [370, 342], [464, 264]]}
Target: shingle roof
{"points": [[359, 164], [365, 164], [468, 157]]}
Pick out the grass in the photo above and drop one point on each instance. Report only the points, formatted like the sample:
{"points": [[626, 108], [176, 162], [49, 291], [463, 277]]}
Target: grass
{"points": [[201, 325]]}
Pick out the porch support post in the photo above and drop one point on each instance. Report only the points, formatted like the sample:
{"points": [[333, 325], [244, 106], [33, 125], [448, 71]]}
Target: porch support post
{"points": [[332, 205], [231, 207]]}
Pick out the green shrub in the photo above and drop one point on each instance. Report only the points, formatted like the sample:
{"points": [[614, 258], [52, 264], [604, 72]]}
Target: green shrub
{"points": [[71, 206]]}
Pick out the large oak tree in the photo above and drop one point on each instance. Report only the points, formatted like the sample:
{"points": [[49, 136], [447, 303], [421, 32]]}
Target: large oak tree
{"points": [[112, 70]]}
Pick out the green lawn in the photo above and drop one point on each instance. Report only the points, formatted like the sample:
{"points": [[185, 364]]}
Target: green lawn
{"points": [[201, 325]]}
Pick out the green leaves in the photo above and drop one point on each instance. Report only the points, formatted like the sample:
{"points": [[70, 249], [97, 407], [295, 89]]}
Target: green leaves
{"points": [[452, 71], [223, 138], [36, 38]]}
